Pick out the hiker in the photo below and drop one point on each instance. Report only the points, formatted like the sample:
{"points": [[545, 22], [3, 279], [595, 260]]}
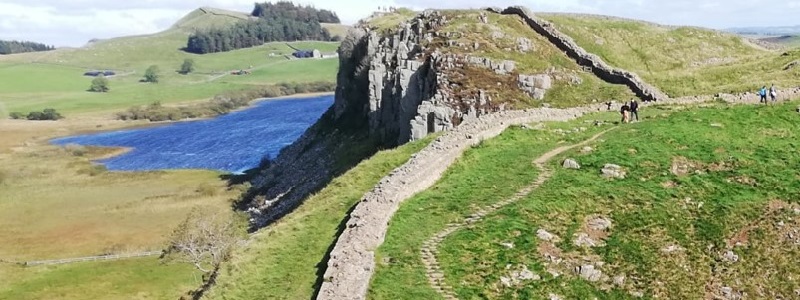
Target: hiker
{"points": [[763, 94], [634, 107], [773, 92], [609, 105], [625, 110]]}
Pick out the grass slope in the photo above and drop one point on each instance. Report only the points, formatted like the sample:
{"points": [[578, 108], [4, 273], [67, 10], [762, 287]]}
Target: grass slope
{"points": [[680, 60], [283, 260], [488, 173], [34, 81], [699, 182]]}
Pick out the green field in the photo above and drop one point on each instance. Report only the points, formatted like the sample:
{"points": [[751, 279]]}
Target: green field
{"points": [[143, 278], [682, 61], [54, 79], [698, 182]]}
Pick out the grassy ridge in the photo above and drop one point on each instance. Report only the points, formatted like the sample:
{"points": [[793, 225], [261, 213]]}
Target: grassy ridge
{"points": [[282, 261], [495, 169], [739, 172], [682, 60]]}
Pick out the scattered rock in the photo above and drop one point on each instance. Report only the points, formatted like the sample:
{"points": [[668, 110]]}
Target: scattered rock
{"points": [[508, 245], [599, 223], [588, 272], [518, 276], [584, 240], [505, 281], [671, 248], [554, 297], [717, 125], [619, 280], [524, 45], [730, 256], [571, 164], [546, 236], [526, 274], [613, 171], [586, 150], [729, 294], [637, 294]]}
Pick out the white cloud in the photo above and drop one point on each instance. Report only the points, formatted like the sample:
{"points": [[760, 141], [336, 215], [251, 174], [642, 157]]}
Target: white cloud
{"points": [[72, 23]]}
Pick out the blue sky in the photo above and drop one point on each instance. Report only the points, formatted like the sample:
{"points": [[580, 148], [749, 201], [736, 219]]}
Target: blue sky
{"points": [[73, 22]]}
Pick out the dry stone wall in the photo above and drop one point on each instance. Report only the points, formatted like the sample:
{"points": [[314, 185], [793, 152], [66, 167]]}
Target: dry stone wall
{"points": [[599, 67]]}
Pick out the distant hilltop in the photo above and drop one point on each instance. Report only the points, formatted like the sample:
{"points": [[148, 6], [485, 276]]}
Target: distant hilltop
{"points": [[775, 31]]}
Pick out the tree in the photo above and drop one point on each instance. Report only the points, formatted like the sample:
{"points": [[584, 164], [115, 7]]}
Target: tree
{"points": [[99, 84], [152, 74], [187, 66], [204, 239]]}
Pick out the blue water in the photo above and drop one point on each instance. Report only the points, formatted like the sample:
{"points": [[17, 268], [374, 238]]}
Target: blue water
{"points": [[234, 142]]}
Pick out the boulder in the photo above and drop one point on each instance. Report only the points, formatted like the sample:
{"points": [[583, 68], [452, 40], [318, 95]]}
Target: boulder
{"points": [[588, 272], [613, 171], [571, 164], [545, 235]]}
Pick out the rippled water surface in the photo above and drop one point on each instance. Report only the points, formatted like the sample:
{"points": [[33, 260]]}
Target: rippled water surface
{"points": [[234, 142]]}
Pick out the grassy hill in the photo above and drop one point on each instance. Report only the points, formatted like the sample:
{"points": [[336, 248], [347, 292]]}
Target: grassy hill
{"points": [[706, 206], [54, 79], [680, 60]]}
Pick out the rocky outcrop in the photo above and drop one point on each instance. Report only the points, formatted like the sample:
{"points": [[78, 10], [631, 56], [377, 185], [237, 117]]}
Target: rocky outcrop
{"points": [[599, 67], [401, 85], [397, 79]]}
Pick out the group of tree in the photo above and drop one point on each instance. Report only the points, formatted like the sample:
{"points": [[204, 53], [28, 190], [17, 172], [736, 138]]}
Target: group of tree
{"points": [[222, 103], [46, 114], [11, 47], [99, 84], [152, 74], [282, 21], [187, 66], [288, 10]]}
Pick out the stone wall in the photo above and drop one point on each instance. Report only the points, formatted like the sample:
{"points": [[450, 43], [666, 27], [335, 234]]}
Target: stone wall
{"points": [[599, 67]]}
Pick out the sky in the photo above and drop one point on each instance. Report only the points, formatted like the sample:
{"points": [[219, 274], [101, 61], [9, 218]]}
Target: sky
{"points": [[74, 22]]}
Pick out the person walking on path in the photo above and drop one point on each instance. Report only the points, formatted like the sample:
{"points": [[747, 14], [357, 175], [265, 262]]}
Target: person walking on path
{"points": [[634, 106], [773, 92], [625, 110], [763, 94]]}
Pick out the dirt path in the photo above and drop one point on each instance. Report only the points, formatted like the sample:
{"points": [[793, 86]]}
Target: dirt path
{"points": [[430, 250]]}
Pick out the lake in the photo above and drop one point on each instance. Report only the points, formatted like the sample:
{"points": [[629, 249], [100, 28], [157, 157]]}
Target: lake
{"points": [[234, 142]]}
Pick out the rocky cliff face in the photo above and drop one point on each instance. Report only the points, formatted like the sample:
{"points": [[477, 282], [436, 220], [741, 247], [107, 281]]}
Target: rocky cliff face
{"points": [[399, 82]]}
